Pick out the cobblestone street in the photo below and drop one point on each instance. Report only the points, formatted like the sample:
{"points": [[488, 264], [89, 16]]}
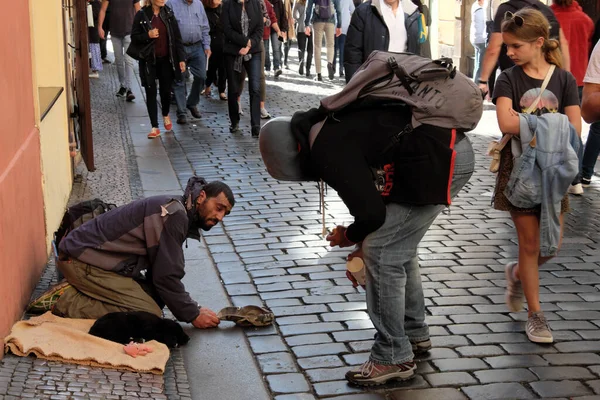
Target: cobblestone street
{"points": [[270, 251]]}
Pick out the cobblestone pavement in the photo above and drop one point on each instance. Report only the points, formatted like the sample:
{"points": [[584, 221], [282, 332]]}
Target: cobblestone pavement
{"points": [[115, 180], [270, 250]]}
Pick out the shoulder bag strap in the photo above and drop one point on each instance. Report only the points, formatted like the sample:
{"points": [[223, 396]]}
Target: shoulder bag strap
{"points": [[533, 105]]}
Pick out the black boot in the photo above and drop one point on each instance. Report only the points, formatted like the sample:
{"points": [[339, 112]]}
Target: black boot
{"points": [[330, 70], [319, 78], [301, 69]]}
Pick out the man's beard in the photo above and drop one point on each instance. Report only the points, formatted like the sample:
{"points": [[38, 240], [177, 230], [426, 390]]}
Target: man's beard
{"points": [[205, 225]]}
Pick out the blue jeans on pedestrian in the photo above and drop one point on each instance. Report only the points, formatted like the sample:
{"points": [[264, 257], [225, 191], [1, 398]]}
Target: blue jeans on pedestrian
{"points": [[395, 300], [123, 61], [479, 54], [195, 60], [340, 43], [276, 46], [267, 55]]}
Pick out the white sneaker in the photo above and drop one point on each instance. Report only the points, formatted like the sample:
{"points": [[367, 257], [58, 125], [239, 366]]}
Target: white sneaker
{"points": [[576, 189], [94, 75], [537, 328], [240, 108], [264, 114]]}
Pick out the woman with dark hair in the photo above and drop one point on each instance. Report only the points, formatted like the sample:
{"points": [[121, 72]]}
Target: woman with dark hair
{"points": [[305, 44], [216, 64], [156, 22], [243, 27], [518, 90]]}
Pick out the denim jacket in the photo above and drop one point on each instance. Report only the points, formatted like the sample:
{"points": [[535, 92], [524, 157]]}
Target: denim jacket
{"points": [[543, 172]]}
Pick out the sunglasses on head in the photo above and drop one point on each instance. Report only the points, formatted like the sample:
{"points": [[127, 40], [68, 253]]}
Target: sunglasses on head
{"points": [[509, 16]]}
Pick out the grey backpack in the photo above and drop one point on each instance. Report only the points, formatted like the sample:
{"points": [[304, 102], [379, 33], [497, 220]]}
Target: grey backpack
{"points": [[435, 91]]}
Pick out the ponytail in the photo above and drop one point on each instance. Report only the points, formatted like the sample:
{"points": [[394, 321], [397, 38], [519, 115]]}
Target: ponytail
{"points": [[552, 53]]}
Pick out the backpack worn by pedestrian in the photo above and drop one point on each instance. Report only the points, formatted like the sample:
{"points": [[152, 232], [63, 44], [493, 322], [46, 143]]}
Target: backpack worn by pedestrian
{"points": [[515, 5], [435, 91], [324, 9]]}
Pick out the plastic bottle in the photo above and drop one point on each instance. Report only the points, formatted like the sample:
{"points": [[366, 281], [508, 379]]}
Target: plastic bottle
{"points": [[356, 266]]}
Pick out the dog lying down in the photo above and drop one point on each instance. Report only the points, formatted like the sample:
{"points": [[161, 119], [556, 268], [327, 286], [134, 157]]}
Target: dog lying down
{"points": [[139, 326]]}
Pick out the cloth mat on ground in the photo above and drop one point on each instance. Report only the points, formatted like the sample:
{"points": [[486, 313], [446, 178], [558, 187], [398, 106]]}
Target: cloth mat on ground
{"points": [[63, 339]]}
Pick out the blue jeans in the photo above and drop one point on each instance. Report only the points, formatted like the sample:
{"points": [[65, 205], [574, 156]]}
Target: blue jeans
{"points": [[340, 42], [234, 88], [395, 299], [276, 46], [592, 150], [479, 54], [267, 54], [195, 59]]}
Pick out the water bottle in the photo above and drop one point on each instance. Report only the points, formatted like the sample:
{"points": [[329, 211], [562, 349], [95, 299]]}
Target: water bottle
{"points": [[356, 266]]}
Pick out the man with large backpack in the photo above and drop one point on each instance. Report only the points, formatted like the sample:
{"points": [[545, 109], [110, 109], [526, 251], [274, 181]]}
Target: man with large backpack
{"points": [[322, 18], [495, 54], [392, 145], [131, 259]]}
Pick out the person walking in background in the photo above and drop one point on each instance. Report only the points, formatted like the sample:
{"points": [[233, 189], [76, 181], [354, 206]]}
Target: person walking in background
{"points": [[216, 63], [526, 36], [347, 7], [243, 25], [578, 29], [305, 44], [278, 35], [478, 35], [195, 33], [94, 40], [106, 28], [290, 35], [157, 23], [121, 21], [322, 15]]}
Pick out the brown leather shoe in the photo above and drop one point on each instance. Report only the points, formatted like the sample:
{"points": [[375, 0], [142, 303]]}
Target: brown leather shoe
{"points": [[195, 112]]}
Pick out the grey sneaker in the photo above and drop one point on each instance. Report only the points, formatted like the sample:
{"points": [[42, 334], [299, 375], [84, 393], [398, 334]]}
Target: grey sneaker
{"points": [[421, 347], [514, 290], [264, 114], [537, 328], [372, 373]]}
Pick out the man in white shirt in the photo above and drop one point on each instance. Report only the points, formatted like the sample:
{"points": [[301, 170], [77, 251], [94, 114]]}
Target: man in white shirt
{"points": [[590, 111], [380, 25]]}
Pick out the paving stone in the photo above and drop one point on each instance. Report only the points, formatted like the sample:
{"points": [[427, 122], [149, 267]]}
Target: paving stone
{"points": [[267, 344], [301, 329], [438, 353], [578, 347], [335, 388], [321, 362], [461, 364], [283, 294], [573, 359], [298, 319], [449, 341], [287, 383], [298, 310], [327, 374], [296, 396], [356, 359], [322, 299], [347, 336], [517, 361], [428, 394], [479, 318], [308, 339], [498, 391], [595, 385], [463, 329], [527, 348], [344, 316], [319, 349], [561, 373], [505, 375], [276, 363], [359, 324], [479, 351], [558, 389], [450, 379]]}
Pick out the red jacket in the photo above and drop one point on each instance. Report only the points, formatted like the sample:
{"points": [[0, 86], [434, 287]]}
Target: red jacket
{"points": [[272, 17], [578, 29]]}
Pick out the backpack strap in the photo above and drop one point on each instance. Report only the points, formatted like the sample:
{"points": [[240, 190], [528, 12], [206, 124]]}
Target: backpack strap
{"points": [[395, 140], [401, 73]]}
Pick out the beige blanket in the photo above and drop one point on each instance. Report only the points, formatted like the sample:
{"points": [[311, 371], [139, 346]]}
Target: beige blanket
{"points": [[63, 339]]}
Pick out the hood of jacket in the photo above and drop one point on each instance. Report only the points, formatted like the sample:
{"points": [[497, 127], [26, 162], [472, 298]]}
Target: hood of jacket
{"points": [[192, 190]]}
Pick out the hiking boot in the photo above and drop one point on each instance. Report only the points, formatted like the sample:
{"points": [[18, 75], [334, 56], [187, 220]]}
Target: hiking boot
{"points": [[514, 290], [264, 114], [47, 300], [372, 373], [182, 119], [331, 71], [537, 328], [122, 92], [586, 182], [301, 68], [319, 78], [154, 133], [130, 96], [576, 189], [421, 347], [194, 111]]}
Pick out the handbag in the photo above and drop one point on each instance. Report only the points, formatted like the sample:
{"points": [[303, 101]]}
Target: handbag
{"points": [[89, 15], [142, 51], [496, 146]]}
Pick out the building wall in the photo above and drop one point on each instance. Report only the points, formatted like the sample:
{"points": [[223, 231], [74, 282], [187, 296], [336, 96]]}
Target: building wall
{"points": [[49, 70], [22, 228]]}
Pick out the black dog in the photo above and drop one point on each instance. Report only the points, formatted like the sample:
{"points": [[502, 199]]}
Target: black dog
{"points": [[123, 327]]}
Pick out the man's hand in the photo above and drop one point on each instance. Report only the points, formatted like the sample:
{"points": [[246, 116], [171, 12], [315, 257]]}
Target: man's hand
{"points": [[206, 319], [338, 32], [244, 51], [307, 31], [101, 32], [484, 89], [207, 52], [337, 237]]}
